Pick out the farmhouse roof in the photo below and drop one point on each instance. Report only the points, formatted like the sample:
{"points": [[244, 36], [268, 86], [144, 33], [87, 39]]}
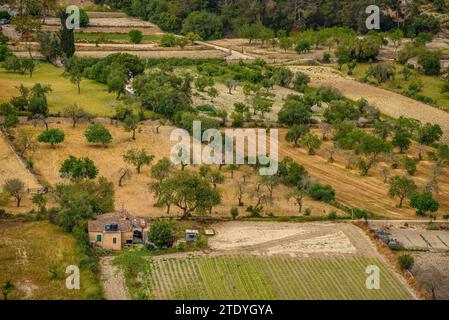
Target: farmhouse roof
{"points": [[124, 221]]}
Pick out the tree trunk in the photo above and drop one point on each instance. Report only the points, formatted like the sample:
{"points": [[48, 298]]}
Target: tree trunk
{"points": [[79, 88], [19, 199]]}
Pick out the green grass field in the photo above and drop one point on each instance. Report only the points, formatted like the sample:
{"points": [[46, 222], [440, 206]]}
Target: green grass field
{"points": [[260, 278], [94, 96], [92, 37], [431, 85], [27, 249]]}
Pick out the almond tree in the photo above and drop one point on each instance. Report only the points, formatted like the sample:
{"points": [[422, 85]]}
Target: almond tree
{"points": [[138, 158], [15, 188], [401, 187]]}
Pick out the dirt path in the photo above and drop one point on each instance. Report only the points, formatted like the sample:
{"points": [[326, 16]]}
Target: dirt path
{"points": [[232, 54], [389, 103], [113, 280]]}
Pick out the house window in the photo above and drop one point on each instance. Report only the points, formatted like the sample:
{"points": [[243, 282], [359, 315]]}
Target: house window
{"points": [[98, 237], [114, 240]]}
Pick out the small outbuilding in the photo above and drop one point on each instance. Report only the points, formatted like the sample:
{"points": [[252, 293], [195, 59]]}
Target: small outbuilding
{"points": [[192, 234]]}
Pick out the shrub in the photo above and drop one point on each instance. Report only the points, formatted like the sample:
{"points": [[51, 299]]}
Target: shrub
{"points": [[382, 72], [234, 213], [332, 215], [4, 52], [307, 212], [135, 36], [84, 19], [406, 261], [301, 81], [207, 108], [430, 63], [321, 192], [163, 233], [326, 57], [167, 40], [302, 46]]}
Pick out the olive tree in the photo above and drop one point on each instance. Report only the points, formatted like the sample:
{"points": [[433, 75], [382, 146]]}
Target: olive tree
{"points": [[15, 188]]}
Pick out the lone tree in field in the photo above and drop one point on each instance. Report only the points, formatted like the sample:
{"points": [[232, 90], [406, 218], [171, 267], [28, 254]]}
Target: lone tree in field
{"points": [[298, 195], [210, 175], [402, 140], [212, 92], [423, 202], [371, 147], [160, 123], [75, 113], [131, 124], [97, 133], [6, 289], [82, 168], [296, 132], [231, 84], [117, 82], [189, 192], [25, 142], [40, 200], [162, 169], [124, 174], [138, 158], [311, 142], [401, 187], [428, 134], [74, 71], [51, 136], [15, 188]]}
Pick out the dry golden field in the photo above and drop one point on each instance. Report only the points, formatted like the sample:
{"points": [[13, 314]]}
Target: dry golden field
{"points": [[11, 167], [368, 193], [135, 195]]}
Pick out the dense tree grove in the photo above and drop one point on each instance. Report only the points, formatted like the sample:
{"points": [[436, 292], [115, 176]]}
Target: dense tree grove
{"points": [[212, 19]]}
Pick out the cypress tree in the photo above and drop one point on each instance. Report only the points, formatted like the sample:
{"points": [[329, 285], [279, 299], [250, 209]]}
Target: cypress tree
{"points": [[66, 36]]}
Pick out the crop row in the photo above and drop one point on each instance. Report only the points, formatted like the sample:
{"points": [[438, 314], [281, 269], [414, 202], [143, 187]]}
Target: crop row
{"points": [[259, 278]]}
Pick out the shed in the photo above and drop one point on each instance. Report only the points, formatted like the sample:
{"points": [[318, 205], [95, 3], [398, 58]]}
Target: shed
{"points": [[192, 234]]}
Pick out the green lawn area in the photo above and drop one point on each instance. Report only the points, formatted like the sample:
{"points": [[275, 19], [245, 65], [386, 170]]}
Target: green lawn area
{"points": [[29, 249], [94, 96], [431, 85], [111, 37]]}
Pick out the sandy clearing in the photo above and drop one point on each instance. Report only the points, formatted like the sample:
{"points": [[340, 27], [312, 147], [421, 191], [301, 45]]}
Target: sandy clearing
{"points": [[390, 103], [290, 238]]}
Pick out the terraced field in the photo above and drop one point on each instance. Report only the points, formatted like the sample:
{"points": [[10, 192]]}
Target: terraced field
{"points": [[277, 277]]}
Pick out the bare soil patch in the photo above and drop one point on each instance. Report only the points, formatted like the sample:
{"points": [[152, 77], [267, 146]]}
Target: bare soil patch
{"points": [[289, 238], [431, 270]]}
